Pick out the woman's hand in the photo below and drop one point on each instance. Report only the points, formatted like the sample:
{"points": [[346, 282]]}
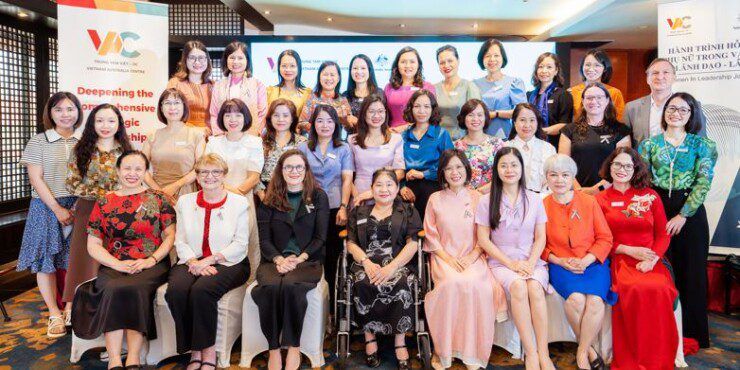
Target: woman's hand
{"points": [[302, 127], [641, 253], [400, 128], [261, 195], [341, 216], [521, 267], [170, 190], [143, 263], [203, 267], [64, 215], [351, 121], [407, 194], [674, 226], [414, 175], [123, 266], [452, 262], [469, 259], [371, 269], [646, 266], [364, 196], [384, 274]]}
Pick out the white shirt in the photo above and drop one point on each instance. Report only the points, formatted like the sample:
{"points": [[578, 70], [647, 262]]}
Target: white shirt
{"points": [[534, 157], [228, 233], [656, 113], [245, 155]]}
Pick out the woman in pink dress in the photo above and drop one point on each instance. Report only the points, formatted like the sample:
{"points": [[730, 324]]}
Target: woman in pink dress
{"points": [[511, 230], [466, 300]]}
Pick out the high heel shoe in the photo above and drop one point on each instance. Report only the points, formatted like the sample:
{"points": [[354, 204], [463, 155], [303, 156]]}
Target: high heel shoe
{"points": [[598, 363], [372, 359], [402, 364]]}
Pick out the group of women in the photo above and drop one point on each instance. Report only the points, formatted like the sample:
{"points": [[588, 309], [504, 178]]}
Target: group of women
{"points": [[246, 182]]}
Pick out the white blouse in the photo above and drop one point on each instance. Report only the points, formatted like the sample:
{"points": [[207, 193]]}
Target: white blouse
{"points": [[245, 155], [534, 156], [229, 229]]}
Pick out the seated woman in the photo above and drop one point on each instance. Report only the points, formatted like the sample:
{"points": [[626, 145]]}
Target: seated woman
{"points": [[511, 230], [131, 232], [645, 335], [210, 264], [578, 244], [293, 219], [466, 300], [382, 239]]}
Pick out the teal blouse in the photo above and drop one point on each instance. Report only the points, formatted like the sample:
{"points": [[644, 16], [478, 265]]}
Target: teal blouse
{"points": [[693, 167]]}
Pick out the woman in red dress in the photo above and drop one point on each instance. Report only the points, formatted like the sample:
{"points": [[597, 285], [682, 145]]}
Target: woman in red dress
{"points": [[643, 325]]}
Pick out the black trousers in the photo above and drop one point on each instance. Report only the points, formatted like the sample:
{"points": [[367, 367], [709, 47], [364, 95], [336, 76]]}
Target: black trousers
{"points": [[688, 254], [281, 300], [333, 250], [193, 301], [422, 189]]}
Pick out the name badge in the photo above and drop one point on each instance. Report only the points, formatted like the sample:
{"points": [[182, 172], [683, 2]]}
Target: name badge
{"points": [[385, 147], [497, 88], [288, 147], [362, 221], [683, 150], [617, 204], [331, 155], [453, 93], [414, 146], [181, 143], [414, 88], [550, 101]]}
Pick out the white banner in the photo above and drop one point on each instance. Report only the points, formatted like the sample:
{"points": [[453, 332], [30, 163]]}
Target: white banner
{"points": [[115, 51], [702, 39]]}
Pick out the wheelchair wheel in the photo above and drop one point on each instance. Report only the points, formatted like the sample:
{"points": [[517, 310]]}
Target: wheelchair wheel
{"points": [[342, 351], [425, 352]]}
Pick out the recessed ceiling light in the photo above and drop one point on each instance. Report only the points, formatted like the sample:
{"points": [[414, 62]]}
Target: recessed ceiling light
{"points": [[267, 12], [643, 27], [329, 19], [402, 25], [22, 14], [475, 25]]}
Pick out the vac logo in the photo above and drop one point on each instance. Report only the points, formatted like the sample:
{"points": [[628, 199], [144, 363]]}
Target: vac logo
{"points": [[678, 23], [114, 43]]}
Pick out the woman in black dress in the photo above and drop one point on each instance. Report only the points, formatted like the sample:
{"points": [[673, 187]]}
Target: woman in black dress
{"points": [[131, 232], [382, 239], [292, 220]]}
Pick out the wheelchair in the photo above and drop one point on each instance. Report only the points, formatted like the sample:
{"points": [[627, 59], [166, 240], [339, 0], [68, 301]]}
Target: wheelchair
{"points": [[343, 305]]}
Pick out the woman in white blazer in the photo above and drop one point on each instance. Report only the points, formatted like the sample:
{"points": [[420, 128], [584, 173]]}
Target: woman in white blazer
{"points": [[209, 263]]}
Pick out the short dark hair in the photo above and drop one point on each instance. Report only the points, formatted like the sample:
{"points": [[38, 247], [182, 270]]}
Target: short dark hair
{"points": [[447, 47], [603, 58], [56, 99], [131, 152], [693, 126], [445, 159], [408, 114], [231, 48], [385, 171], [468, 108], [175, 93], [313, 136], [640, 177], [326, 64], [294, 54], [234, 106], [270, 135], [558, 80], [484, 49], [539, 133]]}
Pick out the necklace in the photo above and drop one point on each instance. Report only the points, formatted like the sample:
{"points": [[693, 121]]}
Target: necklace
{"points": [[673, 161]]}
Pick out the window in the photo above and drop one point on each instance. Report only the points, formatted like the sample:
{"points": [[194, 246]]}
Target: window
{"points": [[204, 19]]}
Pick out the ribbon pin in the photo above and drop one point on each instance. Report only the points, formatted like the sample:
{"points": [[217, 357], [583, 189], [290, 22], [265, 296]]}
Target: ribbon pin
{"points": [[309, 208], [575, 215]]}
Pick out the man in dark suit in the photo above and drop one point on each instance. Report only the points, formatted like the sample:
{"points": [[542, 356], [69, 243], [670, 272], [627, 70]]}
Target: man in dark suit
{"points": [[644, 115]]}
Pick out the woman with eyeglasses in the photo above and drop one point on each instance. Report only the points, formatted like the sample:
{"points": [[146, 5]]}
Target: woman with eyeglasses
{"points": [[596, 67], [211, 244], [193, 80], [682, 166]]}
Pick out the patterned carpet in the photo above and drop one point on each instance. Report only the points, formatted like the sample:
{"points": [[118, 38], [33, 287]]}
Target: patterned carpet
{"points": [[24, 345]]}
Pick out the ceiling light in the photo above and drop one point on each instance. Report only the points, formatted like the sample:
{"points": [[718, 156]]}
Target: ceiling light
{"points": [[643, 27], [329, 19], [22, 14], [402, 25], [267, 12], [475, 25]]}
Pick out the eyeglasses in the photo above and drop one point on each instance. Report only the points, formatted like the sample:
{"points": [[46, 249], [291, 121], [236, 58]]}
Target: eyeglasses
{"points": [[205, 173], [594, 97], [194, 59], [290, 168], [624, 166], [171, 103], [673, 109], [376, 112]]}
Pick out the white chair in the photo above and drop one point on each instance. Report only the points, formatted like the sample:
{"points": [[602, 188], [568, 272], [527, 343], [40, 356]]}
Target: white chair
{"points": [[312, 336], [229, 324]]}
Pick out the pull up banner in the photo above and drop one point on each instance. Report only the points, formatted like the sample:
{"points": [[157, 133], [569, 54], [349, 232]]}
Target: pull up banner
{"points": [[115, 51]]}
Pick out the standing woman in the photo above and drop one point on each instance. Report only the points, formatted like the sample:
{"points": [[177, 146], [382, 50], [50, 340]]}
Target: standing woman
{"points": [[479, 147], [644, 336], [193, 80], [45, 245], [173, 150], [423, 144], [289, 81], [550, 96], [593, 136], [374, 146], [578, 246], [453, 91], [682, 165], [527, 137], [91, 175], [500, 92], [361, 84], [511, 230], [382, 239], [244, 159], [331, 162], [326, 92], [211, 243], [238, 83], [466, 301], [131, 232], [293, 219], [596, 67], [280, 136], [406, 78]]}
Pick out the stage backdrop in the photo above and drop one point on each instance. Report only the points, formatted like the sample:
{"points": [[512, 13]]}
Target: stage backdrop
{"points": [[115, 51], [702, 39]]}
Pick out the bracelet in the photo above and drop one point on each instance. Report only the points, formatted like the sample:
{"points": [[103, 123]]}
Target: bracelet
{"points": [[362, 259], [154, 258], [343, 205]]}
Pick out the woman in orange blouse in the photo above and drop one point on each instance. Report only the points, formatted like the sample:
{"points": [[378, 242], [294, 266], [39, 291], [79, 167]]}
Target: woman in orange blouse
{"points": [[596, 67], [578, 244], [193, 80]]}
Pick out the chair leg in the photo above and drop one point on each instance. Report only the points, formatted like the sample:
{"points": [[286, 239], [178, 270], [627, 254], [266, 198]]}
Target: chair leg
{"points": [[6, 317]]}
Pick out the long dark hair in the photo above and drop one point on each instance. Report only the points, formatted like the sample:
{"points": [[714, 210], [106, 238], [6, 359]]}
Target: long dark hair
{"points": [[539, 133], [363, 129], [56, 99], [231, 48], [372, 84], [86, 146], [610, 114], [182, 65], [558, 80], [270, 136], [497, 187], [294, 54], [693, 125], [396, 79], [313, 136], [277, 190], [317, 89]]}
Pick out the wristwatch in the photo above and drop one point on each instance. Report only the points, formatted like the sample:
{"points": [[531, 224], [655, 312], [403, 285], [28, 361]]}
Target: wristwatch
{"points": [[362, 260]]}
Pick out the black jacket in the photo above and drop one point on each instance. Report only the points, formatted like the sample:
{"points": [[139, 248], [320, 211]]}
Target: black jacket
{"points": [[309, 227], [405, 223], [559, 106]]}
